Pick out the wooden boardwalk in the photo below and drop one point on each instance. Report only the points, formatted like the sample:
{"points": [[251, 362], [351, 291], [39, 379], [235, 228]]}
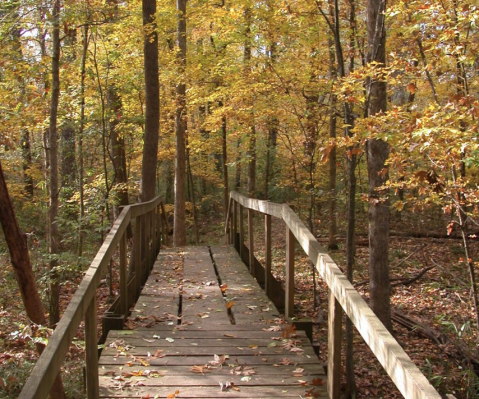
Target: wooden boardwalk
{"points": [[203, 328]]}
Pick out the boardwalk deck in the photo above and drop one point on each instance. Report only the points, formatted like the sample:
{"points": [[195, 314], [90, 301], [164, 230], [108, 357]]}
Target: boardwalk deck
{"points": [[203, 328]]}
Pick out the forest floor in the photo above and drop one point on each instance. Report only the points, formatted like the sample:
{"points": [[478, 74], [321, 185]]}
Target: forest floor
{"points": [[440, 299]]}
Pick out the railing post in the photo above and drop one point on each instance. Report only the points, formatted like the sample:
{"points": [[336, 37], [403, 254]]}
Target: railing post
{"points": [[251, 243], [289, 301], [138, 245], [123, 277], [267, 256], [334, 347], [241, 231], [165, 220], [158, 231], [91, 351], [235, 224]]}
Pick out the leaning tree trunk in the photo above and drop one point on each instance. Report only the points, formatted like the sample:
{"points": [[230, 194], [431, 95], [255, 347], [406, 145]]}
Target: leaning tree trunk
{"points": [[18, 248], [378, 152]]}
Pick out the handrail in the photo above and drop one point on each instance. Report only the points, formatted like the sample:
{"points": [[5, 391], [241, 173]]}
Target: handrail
{"points": [[83, 304], [404, 373]]}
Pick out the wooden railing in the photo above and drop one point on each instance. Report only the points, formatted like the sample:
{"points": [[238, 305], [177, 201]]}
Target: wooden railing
{"points": [[342, 296], [151, 226]]}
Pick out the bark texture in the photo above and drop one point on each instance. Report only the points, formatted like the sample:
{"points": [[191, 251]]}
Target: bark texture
{"points": [[53, 152], [378, 152], [152, 102], [179, 228]]}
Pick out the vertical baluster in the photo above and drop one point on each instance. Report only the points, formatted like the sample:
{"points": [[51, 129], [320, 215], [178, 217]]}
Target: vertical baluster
{"points": [[334, 347], [91, 351], [267, 256], [241, 232], [251, 242], [138, 245], [165, 221], [235, 225], [289, 302], [123, 277]]}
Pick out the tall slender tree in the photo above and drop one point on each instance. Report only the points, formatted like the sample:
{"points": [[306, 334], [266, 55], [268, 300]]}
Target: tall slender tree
{"points": [[377, 154], [152, 102], [180, 130], [53, 157]]}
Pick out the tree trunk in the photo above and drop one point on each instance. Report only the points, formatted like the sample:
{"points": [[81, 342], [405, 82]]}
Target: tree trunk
{"points": [[224, 144], [27, 162], [53, 152], [251, 151], [378, 152], [152, 102], [179, 229], [117, 150], [81, 235], [238, 165], [18, 247]]}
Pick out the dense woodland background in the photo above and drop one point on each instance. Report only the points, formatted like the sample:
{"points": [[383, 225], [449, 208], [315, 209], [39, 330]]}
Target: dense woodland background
{"points": [[272, 98]]}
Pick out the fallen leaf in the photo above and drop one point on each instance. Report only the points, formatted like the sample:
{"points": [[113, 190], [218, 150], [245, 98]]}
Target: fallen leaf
{"points": [[318, 382], [200, 369]]}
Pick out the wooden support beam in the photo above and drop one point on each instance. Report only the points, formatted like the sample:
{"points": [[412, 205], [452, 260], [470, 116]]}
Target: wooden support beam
{"points": [[91, 351], [235, 225], [267, 257], [335, 316], [251, 242], [123, 277], [241, 231], [289, 302], [137, 253]]}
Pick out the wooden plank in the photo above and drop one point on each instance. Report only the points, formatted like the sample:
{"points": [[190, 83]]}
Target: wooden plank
{"points": [[171, 351], [250, 304], [181, 360], [227, 369], [231, 350], [202, 302], [253, 392], [210, 377], [212, 332]]}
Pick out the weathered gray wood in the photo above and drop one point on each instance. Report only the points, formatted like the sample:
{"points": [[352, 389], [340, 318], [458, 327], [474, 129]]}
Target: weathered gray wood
{"points": [[91, 351], [289, 302], [404, 373], [123, 277], [137, 254], [269, 208], [241, 231], [235, 224], [228, 223], [251, 242], [407, 377], [334, 347], [213, 392], [203, 301], [48, 365], [114, 370], [267, 257]]}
